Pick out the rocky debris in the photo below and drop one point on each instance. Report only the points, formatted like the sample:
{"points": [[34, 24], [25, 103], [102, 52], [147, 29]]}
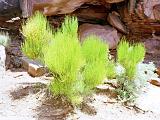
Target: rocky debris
{"points": [[92, 13], [155, 82], [108, 34], [152, 51], [9, 8], [114, 20], [148, 6], [152, 47], [2, 58], [14, 53], [50, 7], [33, 68], [54, 7], [156, 11], [139, 23]]}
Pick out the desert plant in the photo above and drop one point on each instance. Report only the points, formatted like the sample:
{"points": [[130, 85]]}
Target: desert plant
{"points": [[37, 34], [95, 65], [77, 69], [4, 39], [129, 56], [64, 59]]}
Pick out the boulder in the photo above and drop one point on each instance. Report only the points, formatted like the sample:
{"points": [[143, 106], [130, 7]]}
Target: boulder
{"points": [[54, 7], [156, 11], [108, 34], [114, 20], [9, 8], [92, 13], [148, 6], [50, 7]]}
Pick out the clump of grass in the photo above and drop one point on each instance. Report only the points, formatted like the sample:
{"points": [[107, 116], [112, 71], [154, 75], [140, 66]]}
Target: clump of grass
{"points": [[37, 34], [129, 56], [64, 58], [4, 39], [95, 53], [77, 69]]}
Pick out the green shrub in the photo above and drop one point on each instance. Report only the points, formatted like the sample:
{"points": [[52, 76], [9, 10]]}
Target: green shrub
{"points": [[37, 33], [95, 53], [64, 58], [129, 56], [77, 69], [4, 39]]}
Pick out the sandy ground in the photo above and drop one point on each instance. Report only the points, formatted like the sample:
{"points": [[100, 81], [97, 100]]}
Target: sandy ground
{"points": [[21, 106]]}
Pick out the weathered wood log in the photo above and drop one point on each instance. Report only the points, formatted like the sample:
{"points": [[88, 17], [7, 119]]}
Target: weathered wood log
{"points": [[9, 8]]}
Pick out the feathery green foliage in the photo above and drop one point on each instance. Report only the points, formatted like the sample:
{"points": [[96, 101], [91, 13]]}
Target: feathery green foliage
{"points": [[77, 69], [37, 33], [64, 58], [4, 39], [129, 56], [95, 53]]}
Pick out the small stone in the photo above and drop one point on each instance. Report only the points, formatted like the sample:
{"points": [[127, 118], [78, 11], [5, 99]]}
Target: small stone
{"points": [[114, 20], [33, 68]]}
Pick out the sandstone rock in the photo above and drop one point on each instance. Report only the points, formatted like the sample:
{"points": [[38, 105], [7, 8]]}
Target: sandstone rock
{"points": [[33, 68], [148, 7], [54, 7], [9, 8], [50, 7], [106, 33], [2, 58], [114, 20], [113, 1], [152, 46], [156, 11], [92, 14]]}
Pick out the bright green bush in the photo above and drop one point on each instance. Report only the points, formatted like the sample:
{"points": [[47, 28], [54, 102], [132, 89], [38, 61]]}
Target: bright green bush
{"points": [[77, 69], [95, 53], [37, 34], [64, 58], [129, 56]]}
